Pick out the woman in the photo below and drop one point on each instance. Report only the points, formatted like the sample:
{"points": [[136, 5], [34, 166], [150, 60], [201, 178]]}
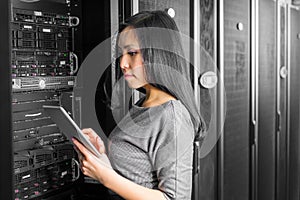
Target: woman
{"points": [[150, 152]]}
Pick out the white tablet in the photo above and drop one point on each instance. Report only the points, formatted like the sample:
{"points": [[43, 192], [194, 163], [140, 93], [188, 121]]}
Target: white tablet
{"points": [[68, 127]]}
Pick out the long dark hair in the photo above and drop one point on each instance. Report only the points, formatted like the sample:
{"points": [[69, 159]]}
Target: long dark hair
{"points": [[165, 65]]}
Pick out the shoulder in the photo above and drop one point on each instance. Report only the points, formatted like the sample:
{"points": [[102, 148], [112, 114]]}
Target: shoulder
{"points": [[179, 112], [178, 119], [175, 137]]}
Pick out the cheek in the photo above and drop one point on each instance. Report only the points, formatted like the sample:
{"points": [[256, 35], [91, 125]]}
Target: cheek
{"points": [[138, 67], [137, 62], [139, 72]]}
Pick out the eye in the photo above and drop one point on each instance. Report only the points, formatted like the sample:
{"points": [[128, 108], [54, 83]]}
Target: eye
{"points": [[132, 53]]}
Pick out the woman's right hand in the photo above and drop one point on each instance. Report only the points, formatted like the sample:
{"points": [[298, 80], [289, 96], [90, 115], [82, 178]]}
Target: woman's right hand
{"points": [[94, 139]]}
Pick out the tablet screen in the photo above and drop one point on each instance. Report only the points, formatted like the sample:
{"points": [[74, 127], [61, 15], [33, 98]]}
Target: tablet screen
{"points": [[68, 127]]}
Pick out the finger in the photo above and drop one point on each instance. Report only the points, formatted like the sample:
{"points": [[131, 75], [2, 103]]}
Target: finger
{"points": [[92, 136], [100, 145], [87, 134], [99, 140], [81, 148], [86, 168], [85, 164], [79, 154], [85, 171], [80, 159], [88, 131]]}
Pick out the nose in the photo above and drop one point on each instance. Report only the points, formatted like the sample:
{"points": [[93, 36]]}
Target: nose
{"points": [[124, 62]]}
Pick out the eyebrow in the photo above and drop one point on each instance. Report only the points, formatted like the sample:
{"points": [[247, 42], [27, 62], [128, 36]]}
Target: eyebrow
{"points": [[129, 46]]}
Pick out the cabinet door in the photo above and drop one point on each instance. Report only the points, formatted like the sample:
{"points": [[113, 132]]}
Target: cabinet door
{"points": [[205, 27], [281, 102], [234, 163], [266, 100], [294, 105]]}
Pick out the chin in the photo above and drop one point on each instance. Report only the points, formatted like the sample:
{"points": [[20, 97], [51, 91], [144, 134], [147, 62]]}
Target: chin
{"points": [[135, 86]]}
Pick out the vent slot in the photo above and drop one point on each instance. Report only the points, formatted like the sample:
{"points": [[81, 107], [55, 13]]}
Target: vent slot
{"points": [[26, 44], [20, 164], [46, 36], [25, 63], [26, 35], [24, 53], [43, 158], [47, 44]]}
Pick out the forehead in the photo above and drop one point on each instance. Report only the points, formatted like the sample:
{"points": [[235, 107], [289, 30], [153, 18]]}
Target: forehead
{"points": [[127, 38]]}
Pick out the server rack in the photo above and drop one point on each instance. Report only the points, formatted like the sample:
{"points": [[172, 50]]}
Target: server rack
{"points": [[42, 70], [38, 43], [6, 186]]}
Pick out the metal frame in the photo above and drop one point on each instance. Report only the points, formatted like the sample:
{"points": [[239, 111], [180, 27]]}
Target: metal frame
{"points": [[135, 6], [288, 64], [114, 14], [221, 98], [6, 151], [117, 7], [278, 117], [135, 10], [254, 52], [196, 48], [289, 142], [279, 5], [196, 72]]}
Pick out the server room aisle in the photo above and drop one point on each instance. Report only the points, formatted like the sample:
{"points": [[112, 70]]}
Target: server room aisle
{"points": [[248, 93]]}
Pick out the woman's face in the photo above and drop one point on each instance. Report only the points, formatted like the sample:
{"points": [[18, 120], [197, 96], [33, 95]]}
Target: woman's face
{"points": [[131, 60]]}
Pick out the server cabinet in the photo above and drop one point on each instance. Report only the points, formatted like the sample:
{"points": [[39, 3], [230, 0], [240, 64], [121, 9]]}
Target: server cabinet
{"points": [[6, 168], [276, 139], [205, 27], [266, 122], [234, 143], [282, 111], [44, 63], [293, 165], [42, 66]]}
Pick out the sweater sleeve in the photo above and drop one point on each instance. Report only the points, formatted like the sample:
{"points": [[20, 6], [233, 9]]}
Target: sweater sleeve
{"points": [[172, 156]]}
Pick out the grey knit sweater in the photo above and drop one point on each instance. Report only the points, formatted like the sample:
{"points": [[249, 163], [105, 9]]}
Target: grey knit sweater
{"points": [[153, 147]]}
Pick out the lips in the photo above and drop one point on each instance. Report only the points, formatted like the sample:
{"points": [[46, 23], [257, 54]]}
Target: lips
{"points": [[128, 75]]}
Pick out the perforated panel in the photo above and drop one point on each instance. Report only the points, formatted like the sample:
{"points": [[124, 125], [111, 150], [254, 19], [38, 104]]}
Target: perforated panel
{"points": [[267, 100], [236, 129]]}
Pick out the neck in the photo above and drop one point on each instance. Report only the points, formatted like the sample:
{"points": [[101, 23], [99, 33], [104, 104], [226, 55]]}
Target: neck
{"points": [[155, 96]]}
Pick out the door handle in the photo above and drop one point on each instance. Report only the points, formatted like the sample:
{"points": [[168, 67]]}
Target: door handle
{"points": [[278, 121]]}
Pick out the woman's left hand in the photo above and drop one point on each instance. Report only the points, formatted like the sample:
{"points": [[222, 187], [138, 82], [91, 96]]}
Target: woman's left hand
{"points": [[92, 166]]}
